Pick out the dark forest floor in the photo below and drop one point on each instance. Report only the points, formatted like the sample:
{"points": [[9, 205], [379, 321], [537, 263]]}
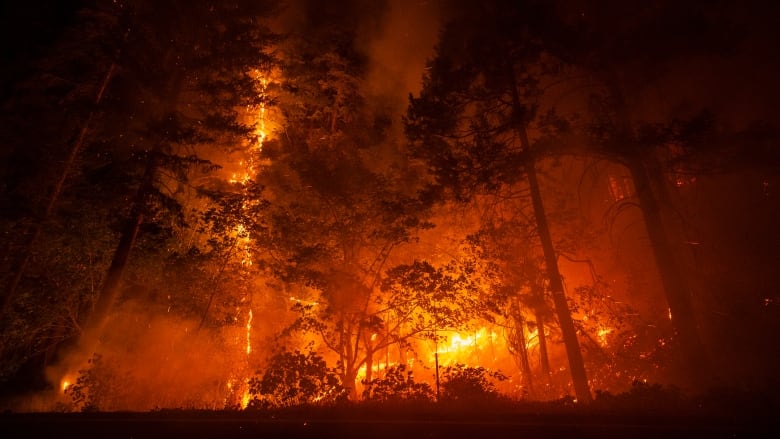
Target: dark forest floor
{"points": [[380, 422], [234, 425]]}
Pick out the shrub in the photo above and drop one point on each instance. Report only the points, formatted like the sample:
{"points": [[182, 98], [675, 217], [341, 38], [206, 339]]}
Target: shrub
{"points": [[295, 378], [464, 383], [397, 385], [101, 386]]}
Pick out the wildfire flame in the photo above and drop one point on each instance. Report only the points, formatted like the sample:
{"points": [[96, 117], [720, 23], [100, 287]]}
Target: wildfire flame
{"points": [[461, 345], [249, 333], [243, 240], [602, 334], [245, 398]]}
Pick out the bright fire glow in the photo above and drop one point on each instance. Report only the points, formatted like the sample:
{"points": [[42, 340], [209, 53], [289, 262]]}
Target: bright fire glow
{"points": [[603, 333], [376, 368], [462, 344], [533, 339], [249, 333], [248, 170], [245, 399], [305, 302]]}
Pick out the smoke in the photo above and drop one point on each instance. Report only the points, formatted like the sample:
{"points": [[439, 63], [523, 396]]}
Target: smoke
{"points": [[399, 49], [396, 36], [148, 361]]}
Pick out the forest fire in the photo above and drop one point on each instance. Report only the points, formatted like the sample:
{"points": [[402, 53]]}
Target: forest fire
{"points": [[602, 335], [249, 333], [459, 346], [436, 204]]}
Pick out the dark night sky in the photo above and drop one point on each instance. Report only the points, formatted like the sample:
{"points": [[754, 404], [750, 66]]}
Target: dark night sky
{"points": [[27, 28]]}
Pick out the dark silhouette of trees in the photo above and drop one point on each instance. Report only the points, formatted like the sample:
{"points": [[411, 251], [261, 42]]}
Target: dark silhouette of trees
{"points": [[620, 59], [471, 122], [296, 378]]}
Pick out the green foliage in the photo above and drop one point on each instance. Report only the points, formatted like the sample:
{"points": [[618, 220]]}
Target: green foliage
{"points": [[295, 378], [397, 385], [470, 384]]}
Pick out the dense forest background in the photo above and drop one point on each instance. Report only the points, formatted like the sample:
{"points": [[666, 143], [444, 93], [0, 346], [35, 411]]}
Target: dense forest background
{"points": [[265, 204]]}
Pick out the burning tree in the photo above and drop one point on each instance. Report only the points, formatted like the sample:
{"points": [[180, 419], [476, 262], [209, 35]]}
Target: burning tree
{"points": [[472, 119], [416, 302], [148, 161]]}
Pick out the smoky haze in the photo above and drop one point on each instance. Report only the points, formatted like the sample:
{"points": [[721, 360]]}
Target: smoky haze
{"points": [[399, 48]]}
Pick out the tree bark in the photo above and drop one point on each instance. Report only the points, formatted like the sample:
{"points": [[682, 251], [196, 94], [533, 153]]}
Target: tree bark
{"points": [[110, 290], [576, 363], [641, 166], [544, 358], [369, 361], [675, 289], [573, 353], [525, 363]]}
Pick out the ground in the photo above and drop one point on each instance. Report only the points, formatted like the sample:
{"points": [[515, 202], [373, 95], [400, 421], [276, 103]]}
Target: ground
{"points": [[424, 424]]}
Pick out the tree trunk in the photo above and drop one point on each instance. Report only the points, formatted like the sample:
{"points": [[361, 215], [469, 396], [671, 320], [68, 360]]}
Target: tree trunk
{"points": [[350, 379], [73, 360], [576, 363], [544, 358], [677, 294], [525, 363], [369, 357], [35, 233], [573, 353], [110, 290]]}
